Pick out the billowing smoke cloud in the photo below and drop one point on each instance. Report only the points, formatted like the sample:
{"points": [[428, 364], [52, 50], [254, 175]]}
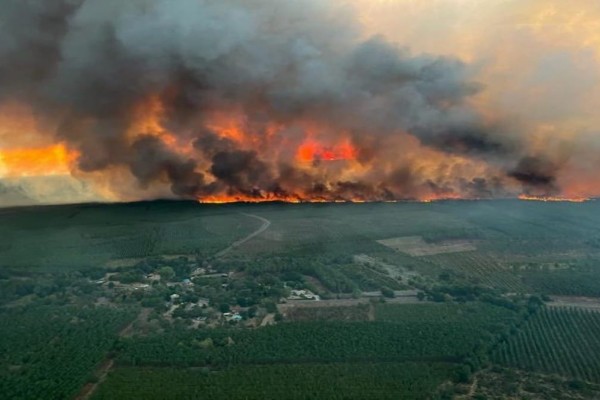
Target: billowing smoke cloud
{"points": [[538, 175], [256, 99]]}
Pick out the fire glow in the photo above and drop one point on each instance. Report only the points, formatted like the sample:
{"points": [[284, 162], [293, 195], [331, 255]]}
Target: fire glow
{"points": [[311, 150], [551, 199], [232, 199], [45, 161]]}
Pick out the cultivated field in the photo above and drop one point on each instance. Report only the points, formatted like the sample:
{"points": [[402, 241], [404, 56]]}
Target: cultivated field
{"points": [[564, 341]]}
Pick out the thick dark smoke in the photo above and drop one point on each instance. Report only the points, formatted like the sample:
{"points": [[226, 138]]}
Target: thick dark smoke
{"points": [[151, 160], [537, 175], [90, 64]]}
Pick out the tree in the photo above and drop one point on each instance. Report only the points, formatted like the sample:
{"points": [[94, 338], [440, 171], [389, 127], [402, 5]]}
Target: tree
{"points": [[270, 307], [166, 273], [252, 312], [224, 307], [444, 276], [387, 292], [464, 374]]}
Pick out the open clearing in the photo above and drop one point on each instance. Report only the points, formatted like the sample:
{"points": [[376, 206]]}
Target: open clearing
{"points": [[415, 246], [589, 303], [394, 271]]}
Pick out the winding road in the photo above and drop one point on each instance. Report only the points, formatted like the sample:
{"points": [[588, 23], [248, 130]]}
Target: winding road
{"points": [[106, 365], [265, 225]]}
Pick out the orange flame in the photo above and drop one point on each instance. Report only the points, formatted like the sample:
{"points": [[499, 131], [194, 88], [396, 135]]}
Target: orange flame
{"points": [[431, 198], [554, 199], [51, 160], [148, 118], [297, 199], [312, 150], [227, 199]]}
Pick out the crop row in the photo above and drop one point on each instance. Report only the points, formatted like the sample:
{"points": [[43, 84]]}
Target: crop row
{"points": [[556, 340]]}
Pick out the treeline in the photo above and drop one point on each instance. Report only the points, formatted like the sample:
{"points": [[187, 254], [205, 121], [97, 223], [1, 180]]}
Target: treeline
{"points": [[337, 273], [469, 293]]}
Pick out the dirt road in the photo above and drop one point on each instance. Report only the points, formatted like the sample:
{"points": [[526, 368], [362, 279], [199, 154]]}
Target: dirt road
{"points": [[269, 319], [106, 365], [90, 388], [589, 303], [265, 225]]}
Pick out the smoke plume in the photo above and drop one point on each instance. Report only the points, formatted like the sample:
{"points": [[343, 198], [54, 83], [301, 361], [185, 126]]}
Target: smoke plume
{"points": [[255, 99]]}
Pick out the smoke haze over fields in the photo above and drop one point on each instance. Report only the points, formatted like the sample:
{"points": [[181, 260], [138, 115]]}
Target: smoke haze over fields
{"points": [[321, 100]]}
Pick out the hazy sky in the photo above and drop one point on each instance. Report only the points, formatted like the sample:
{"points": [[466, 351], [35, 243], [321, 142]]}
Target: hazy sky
{"points": [[538, 59]]}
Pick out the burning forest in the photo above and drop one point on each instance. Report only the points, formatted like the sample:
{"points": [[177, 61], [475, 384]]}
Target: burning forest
{"points": [[231, 100]]}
